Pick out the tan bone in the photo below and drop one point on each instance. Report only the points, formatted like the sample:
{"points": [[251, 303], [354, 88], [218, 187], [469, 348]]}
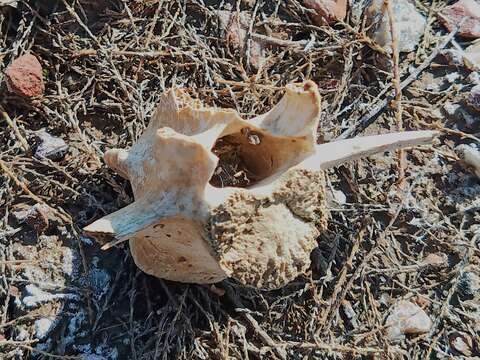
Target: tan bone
{"points": [[182, 228]]}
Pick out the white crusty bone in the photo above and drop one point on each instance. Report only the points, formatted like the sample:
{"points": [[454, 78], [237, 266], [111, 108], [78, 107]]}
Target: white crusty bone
{"points": [[182, 228]]}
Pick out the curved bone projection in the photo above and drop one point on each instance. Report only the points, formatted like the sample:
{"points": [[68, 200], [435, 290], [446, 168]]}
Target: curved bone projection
{"points": [[219, 196]]}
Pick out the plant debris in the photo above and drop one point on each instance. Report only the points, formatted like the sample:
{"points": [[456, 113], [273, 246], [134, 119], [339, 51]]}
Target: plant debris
{"points": [[235, 28], [231, 169]]}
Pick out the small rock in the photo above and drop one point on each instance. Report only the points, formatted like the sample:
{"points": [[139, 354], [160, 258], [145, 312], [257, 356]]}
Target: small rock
{"points": [[451, 109], [474, 78], [470, 156], [469, 284], [20, 215], [12, 3], [384, 299], [37, 217], [461, 343], [474, 97], [452, 77], [49, 146], [235, 27], [42, 327], [454, 57], [467, 11], [437, 260], [472, 56], [327, 11], [24, 77], [410, 24], [339, 197], [407, 318]]}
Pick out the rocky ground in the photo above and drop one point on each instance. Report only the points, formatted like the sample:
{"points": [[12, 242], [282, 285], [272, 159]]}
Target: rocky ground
{"points": [[397, 273]]}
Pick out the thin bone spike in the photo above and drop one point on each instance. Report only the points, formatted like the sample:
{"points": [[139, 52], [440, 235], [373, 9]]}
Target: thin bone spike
{"points": [[123, 223], [337, 152]]}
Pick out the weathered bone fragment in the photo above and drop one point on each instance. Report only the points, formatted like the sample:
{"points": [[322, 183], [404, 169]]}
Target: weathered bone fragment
{"points": [[218, 196]]}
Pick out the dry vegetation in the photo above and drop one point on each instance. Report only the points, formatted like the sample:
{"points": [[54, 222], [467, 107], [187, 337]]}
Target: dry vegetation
{"points": [[105, 64]]}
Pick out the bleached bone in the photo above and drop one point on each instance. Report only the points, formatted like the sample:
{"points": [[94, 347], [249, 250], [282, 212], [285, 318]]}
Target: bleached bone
{"points": [[181, 227]]}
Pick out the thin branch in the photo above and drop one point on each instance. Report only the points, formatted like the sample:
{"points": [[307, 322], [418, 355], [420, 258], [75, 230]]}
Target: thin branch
{"points": [[26, 190], [16, 131], [377, 109]]}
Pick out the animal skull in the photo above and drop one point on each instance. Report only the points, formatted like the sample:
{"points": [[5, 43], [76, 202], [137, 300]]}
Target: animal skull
{"points": [[189, 223]]}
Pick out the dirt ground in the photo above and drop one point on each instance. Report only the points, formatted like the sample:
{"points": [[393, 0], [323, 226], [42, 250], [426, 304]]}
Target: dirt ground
{"points": [[105, 64]]}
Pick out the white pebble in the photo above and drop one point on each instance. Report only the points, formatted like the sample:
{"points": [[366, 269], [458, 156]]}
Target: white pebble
{"points": [[407, 318], [42, 327], [410, 24]]}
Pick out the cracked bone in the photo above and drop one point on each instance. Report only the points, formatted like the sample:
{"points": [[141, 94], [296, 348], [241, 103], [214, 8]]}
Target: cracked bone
{"points": [[217, 196]]}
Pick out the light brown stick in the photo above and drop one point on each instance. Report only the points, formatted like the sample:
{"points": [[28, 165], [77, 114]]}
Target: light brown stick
{"points": [[398, 91]]}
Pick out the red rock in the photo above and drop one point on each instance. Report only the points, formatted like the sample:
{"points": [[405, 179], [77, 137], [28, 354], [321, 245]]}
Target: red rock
{"points": [[24, 76], [452, 16], [327, 11]]}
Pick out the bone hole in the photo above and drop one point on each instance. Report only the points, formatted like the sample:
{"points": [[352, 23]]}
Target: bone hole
{"points": [[245, 158]]}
